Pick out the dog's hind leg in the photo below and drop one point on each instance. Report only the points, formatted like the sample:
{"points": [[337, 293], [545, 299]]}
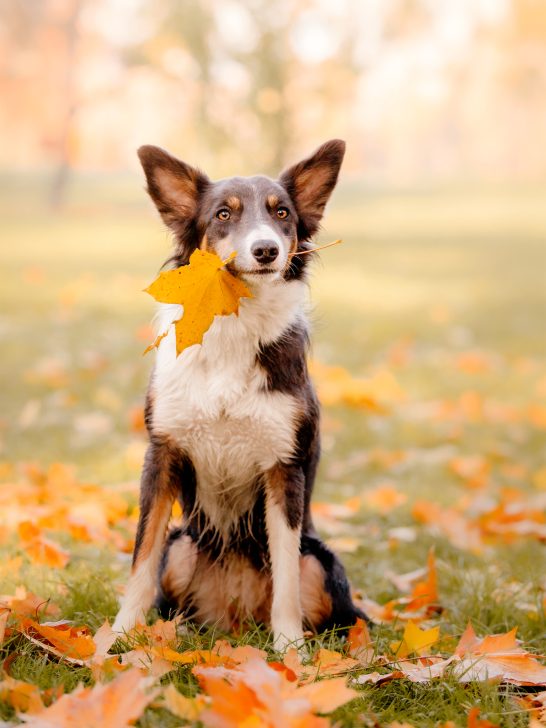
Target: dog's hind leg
{"points": [[325, 589], [176, 573], [157, 492]]}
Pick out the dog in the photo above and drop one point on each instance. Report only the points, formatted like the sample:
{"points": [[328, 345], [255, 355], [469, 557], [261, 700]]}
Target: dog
{"points": [[233, 423]]}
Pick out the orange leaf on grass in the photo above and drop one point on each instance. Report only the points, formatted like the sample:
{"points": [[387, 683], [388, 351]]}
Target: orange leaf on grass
{"points": [[425, 592], [28, 604], [117, 704], [188, 709], [335, 386], [254, 694], [327, 695], [238, 655], [416, 640], [359, 642], [496, 657], [22, 696], [473, 470], [4, 614], [189, 657], [40, 549], [419, 605], [384, 498], [474, 720], [324, 663], [73, 643], [205, 291]]}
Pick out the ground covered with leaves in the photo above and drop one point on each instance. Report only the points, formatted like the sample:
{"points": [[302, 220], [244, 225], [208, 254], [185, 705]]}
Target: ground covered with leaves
{"points": [[430, 359]]}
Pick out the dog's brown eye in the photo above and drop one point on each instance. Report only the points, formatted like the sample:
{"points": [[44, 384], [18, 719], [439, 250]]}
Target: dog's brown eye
{"points": [[223, 214], [282, 213]]}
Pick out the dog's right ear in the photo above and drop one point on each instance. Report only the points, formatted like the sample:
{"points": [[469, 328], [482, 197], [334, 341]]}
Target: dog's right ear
{"points": [[174, 186]]}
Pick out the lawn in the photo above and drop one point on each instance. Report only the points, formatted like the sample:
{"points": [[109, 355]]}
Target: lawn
{"points": [[436, 302]]}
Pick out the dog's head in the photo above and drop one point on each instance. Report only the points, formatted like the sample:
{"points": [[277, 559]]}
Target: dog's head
{"points": [[261, 219]]}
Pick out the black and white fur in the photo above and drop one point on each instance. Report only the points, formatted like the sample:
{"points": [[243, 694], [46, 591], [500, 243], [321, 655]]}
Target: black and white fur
{"points": [[234, 423]]}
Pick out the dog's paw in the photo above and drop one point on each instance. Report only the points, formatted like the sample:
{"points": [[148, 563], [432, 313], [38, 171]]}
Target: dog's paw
{"points": [[288, 637], [126, 619]]}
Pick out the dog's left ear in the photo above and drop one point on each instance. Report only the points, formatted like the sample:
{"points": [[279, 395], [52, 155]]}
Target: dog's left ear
{"points": [[310, 183]]}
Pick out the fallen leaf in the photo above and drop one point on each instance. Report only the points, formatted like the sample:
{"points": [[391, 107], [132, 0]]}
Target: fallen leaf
{"points": [[377, 678], [40, 549], [359, 643], [185, 708], [117, 704], [424, 670], [63, 640], [496, 657], [384, 498], [254, 694], [327, 695], [4, 614], [204, 289], [22, 696], [416, 640], [474, 721], [335, 385]]}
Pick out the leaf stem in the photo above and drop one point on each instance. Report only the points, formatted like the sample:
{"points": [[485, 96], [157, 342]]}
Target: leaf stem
{"points": [[314, 250]]}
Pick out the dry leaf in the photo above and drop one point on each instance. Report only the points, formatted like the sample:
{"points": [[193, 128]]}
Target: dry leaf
{"points": [[254, 694], [419, 605], [40, 549], [359, 642], [205, 291], [474, 721], [327, 695], [61, 639], [496, 657], [384, 498], [376, 678], [185, 708], [416, 640], [118, 704], [22, 696]]}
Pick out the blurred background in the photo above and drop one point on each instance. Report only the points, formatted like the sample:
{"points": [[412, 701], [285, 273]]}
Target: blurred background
{"points": [[441, 204]]}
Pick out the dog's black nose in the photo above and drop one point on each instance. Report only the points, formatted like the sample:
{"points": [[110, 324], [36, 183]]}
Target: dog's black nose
{"points": [[265, 251]]}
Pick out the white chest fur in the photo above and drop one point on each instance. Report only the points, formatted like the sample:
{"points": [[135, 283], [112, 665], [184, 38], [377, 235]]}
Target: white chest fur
{"points": [[212, 400]]}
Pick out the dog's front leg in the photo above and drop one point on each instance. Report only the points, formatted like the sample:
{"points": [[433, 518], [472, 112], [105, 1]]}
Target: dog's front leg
{"points": [[283, 518], [156, 500]]}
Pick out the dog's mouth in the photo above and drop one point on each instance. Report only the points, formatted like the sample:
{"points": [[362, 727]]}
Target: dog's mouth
{"points": [[251, 272]]}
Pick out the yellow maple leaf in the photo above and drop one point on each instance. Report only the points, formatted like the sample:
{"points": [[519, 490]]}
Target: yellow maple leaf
{"points": [[415, 640], [205, 291]]}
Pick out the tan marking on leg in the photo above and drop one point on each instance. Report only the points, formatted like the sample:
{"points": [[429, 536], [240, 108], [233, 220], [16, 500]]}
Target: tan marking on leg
{"points": [[315, 601], [156, 526], [141, 588]]}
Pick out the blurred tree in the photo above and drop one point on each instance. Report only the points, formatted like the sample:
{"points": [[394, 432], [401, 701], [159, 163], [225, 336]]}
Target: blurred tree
{"points": [[43, 63], [68, 26]]}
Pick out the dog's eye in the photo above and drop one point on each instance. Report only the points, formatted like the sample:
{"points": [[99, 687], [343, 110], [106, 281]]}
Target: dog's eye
{"points": [[282, 213], [223, 214]]}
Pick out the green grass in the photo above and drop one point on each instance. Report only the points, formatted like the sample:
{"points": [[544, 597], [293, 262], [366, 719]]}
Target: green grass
{"points": [[442, 272]]}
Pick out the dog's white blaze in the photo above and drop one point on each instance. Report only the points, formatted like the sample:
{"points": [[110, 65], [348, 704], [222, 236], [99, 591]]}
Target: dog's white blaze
{"points": [[246, 260], [284, 550], [212, 399]]}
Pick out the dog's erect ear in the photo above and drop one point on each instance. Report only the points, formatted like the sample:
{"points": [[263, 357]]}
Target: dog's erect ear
{"points": [[174, 187], [310, 183]]}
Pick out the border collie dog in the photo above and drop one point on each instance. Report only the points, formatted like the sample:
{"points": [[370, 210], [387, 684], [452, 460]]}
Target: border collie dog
{"points": [[234, 423]]}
